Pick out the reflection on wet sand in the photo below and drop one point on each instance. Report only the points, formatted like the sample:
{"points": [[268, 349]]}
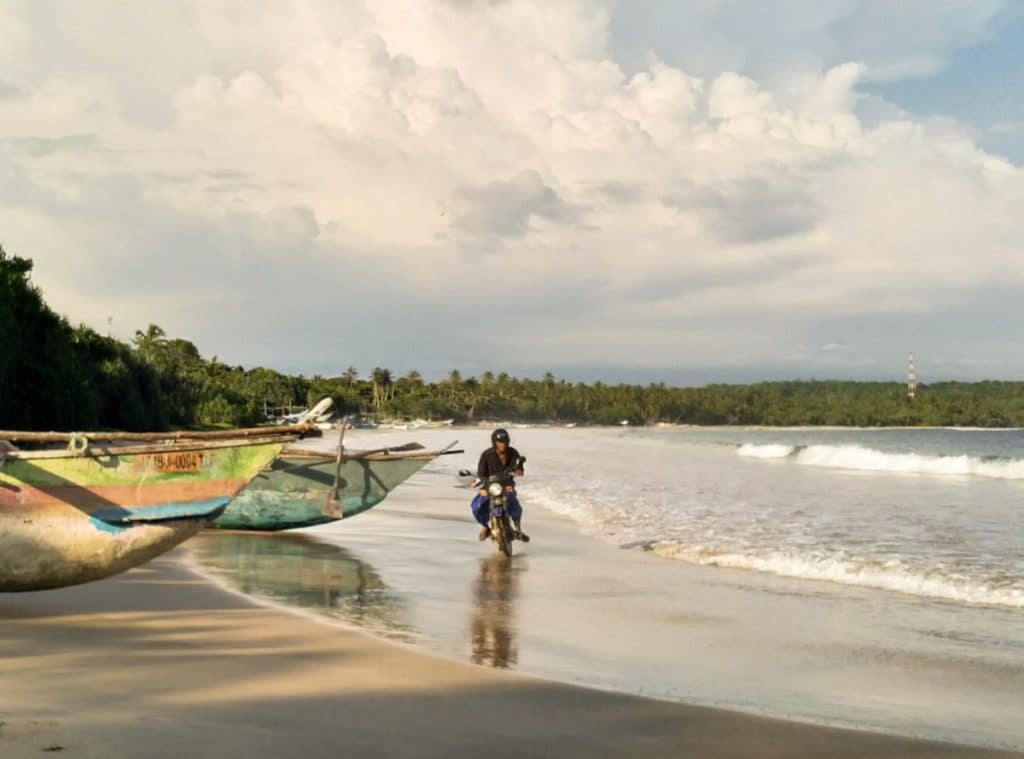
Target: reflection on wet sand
{"points": [[302, 572], [492, 630]]}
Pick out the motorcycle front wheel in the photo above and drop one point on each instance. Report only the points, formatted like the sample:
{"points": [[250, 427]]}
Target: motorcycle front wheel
{"points": [[501, 529]]}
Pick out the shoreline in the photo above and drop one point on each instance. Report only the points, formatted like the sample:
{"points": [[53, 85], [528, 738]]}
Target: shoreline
{"points": [[577, 610], [674, 426], [421, 648], [160, 661]]}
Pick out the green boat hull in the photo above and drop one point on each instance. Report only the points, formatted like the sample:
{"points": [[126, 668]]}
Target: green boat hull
{"points": [[295, 492]]}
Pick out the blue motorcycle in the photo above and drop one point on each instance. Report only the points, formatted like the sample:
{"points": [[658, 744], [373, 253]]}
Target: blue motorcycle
{"points": [[499, 487]]}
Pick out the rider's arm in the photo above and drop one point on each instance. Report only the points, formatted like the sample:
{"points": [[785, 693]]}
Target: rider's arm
{"points": [[519, 469]]}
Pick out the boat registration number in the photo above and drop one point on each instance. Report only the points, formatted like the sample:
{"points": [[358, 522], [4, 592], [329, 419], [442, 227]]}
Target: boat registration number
{"points": [[188, 461]]}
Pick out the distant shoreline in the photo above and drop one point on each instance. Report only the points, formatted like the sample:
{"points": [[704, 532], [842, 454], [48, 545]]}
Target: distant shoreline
{"points": [[671, 426]]}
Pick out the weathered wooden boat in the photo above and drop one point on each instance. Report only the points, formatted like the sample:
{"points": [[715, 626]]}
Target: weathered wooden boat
{"points": [[305, 488], [90, 510]]}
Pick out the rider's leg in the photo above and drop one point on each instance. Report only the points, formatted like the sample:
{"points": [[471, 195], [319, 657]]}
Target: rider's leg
{"points": [[482, 514], [515, 510]]}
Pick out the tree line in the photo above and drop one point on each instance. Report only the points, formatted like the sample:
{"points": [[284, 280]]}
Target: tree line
{"points": [[57, 376]]}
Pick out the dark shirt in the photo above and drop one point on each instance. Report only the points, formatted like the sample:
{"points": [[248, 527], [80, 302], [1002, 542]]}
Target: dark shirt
{"points": [[490, 462]]}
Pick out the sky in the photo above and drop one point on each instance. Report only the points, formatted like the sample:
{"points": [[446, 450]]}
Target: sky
{"points": [[686, 192]]}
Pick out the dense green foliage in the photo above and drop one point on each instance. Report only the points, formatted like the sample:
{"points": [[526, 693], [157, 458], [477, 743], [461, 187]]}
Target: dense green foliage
{"points": [[53, 375], [56, 376]]}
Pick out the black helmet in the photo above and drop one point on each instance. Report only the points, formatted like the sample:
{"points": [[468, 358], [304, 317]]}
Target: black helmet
{"points": [[499, 435]]}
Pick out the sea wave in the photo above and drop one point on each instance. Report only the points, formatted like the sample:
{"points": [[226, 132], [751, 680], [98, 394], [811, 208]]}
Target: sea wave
{"points": [[872, 460], [891, 576], [633, 528], [771, 451]]}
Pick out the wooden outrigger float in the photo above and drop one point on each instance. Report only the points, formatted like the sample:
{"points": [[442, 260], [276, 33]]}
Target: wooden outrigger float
{"points": [[107, 502]]}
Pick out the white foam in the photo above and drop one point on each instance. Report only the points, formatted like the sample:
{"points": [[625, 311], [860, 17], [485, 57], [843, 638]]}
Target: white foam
{"points": [[868, 459], [624, 524], [932, 542], [891, 576], [753, 451]]}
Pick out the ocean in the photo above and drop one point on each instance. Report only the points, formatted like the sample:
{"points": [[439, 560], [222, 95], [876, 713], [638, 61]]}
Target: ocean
{"points": [[930, 512]]}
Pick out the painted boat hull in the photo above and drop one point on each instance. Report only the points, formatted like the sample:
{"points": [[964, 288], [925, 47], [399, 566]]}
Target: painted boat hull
{"points": [[294, 492], [75, 519]]}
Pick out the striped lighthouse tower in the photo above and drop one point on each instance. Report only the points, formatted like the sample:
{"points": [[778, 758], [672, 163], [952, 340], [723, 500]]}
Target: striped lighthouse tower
{"points": [[911, 377]]}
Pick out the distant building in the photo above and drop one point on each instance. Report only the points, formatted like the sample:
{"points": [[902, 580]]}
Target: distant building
{"points": [[911, 378]]}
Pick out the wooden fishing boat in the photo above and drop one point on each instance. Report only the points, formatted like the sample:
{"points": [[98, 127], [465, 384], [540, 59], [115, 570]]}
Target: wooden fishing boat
{"points": [[305, 488], [107, 502]]}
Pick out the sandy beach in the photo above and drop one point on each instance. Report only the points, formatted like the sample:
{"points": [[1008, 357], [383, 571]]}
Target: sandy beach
{"points": [[161, 662], [397, 634]]}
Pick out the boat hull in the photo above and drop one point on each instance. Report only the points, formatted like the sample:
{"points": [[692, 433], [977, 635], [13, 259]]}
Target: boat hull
{"points": [[295, 492], [75, 519]]}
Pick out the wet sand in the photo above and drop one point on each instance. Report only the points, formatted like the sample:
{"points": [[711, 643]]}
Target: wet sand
{"points": [[578, 610], [161, 662]]}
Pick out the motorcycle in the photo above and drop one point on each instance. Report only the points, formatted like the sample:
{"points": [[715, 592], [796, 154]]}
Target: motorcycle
{"points": [[498, 486]]}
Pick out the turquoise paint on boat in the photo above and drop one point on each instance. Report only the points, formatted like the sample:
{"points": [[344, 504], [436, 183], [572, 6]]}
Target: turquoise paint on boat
{"points": [[295, 490], [123, 517]]}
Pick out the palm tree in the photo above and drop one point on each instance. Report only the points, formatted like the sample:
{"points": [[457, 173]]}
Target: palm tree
{"points": [[455, 382], [350, 375], [153, 338], [414, 379], [382, 386], [502, 381], [475, 396]]}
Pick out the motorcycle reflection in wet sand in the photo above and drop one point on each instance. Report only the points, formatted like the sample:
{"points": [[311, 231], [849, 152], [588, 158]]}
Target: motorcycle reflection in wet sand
{"points": [[493, 629]]}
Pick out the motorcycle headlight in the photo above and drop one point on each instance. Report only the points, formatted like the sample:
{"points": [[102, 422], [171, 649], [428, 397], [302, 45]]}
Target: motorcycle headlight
{"points": [[495, 489]]}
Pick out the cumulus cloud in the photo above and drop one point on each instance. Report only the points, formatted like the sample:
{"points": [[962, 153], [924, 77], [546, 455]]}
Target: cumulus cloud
{"points": [[356, 164], [504, 208], [772, 41]]}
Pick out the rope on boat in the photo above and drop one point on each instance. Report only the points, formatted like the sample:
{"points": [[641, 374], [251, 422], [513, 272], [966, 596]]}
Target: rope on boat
{"points": [[332, 508], [78, 443]]}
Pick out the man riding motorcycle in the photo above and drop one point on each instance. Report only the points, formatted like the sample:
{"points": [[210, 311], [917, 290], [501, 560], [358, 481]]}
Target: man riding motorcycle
{"points": [[494, 460]]}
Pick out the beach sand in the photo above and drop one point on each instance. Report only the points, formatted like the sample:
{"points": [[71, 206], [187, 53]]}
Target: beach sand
{"points": [[161, 662], [576, 608]]}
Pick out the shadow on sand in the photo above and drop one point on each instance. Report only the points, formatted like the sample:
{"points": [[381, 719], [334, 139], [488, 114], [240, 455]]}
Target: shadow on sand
{"points": [[158, 663]]}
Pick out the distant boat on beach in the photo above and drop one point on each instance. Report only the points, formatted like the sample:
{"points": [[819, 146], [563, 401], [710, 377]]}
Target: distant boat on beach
{"points": [[106, 502]]}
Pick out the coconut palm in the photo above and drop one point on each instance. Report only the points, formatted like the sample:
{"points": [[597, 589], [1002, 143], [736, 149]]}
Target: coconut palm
{"points": [[383, 386], [148, 341]]}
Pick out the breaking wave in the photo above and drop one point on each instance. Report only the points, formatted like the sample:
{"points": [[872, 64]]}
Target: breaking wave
{"points": [[872, 460], [766, 451], [628, 526], [891, 575]]}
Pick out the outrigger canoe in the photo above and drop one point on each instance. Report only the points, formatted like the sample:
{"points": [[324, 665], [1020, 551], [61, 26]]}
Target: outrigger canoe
{"points": [[88, 511], [305, 488]]}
